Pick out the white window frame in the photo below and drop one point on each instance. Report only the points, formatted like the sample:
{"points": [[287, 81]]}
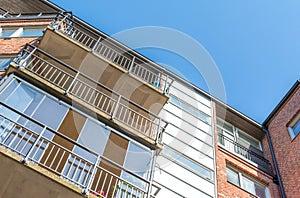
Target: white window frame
{"points": [[290, 126], [242, 175]]}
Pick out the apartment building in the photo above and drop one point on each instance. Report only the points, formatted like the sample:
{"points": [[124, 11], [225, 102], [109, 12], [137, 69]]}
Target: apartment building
{"points": [[83, 115]]}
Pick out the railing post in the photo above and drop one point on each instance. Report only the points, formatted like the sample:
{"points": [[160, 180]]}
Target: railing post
{"points": [[72, 82], [57, 26], [22, 62], [25, 160], [158, 131], [131, 65], [96, 44], [90, 182], [165, 86], [116, 107]]}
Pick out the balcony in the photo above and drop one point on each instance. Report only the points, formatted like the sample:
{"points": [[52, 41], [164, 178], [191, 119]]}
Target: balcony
{"points": [[100, 58], [41, 146], [245, 153], [79, 89]]}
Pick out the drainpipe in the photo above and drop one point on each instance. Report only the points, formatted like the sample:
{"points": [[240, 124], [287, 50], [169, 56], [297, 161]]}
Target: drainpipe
{"points": [[281, 188]]}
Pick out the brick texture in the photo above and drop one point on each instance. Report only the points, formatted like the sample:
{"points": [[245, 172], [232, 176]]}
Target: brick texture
{"points": [[228, 190], [287, 151]]}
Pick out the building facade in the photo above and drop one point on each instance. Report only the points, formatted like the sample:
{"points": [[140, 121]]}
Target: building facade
{"points": [[83, 115]]}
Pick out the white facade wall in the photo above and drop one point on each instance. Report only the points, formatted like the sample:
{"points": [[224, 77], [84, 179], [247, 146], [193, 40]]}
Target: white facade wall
{"points": [[190, 135]]}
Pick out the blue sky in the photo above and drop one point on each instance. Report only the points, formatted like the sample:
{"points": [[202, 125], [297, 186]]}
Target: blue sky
{"points": [[255, 44]]}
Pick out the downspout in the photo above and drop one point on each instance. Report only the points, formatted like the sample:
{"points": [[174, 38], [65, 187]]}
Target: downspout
{"points": [[281, 188]]}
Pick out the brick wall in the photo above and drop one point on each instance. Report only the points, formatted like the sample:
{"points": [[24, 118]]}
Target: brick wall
{"points": [[228, 190], [13, 45], [287, 151]]}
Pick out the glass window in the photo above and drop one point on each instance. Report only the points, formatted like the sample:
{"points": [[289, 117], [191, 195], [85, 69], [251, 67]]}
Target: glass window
{"points": [[4, 62], [4, 33], [232, 176], [21, 32], [247, 183], [50, 113], [294, 127], [27, 32], [19, 99], [228, 127], [190, 109], [93, 136], [247, 139], [188, 163], [141, 155]]}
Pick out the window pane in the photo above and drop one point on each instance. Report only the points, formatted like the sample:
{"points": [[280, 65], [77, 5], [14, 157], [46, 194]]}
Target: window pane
{"points": [[19, 100], [32, 32], [7, 90], [225, 126], [94, 136], [6, 33], [260, 191], [50, 113], [296, 128], [4, 62], [249, 140], [190, 109], [188, 163], [136, 153], [248, 185], [232, 176]]}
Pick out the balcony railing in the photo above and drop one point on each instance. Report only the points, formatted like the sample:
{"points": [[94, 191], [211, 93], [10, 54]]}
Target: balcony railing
{"points": [[236, 148], [112, 52], [91, 92], [25, 15], [35, 143]]}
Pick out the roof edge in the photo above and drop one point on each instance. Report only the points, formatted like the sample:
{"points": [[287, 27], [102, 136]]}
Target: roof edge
{"points": [[282, 102]]}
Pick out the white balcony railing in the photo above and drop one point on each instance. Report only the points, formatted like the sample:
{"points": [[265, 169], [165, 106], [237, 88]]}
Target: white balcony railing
{"points": [[112, 52], [98, 96], [40, 148]]}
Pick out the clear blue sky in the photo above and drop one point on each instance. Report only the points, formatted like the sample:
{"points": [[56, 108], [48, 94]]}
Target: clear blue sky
{"points": [[255, 44]]}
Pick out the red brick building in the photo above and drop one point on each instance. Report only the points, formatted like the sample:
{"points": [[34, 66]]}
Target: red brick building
{"points": [[242, 167], [283, 127]]}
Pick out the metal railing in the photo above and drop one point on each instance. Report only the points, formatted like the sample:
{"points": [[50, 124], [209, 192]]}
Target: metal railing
{"points": [[26, 15], [237, 148], [110, 51], [35, 142], [91, 92]]}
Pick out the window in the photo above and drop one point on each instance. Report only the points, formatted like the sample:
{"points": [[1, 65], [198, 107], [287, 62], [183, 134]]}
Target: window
{"points": [[184, 161], [4, 62], [6, 32], [294, 127], [25, 99], [190, 109], [21, 32], [233, 134], [246, 182]]}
